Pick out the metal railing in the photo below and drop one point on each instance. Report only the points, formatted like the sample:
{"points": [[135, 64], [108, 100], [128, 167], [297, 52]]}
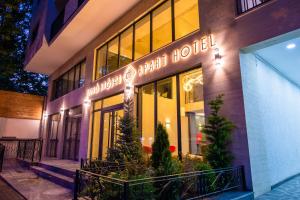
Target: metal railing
{"points": [[244, 6], [100, 166], [23, 149], [193, 185], [59, 21]]}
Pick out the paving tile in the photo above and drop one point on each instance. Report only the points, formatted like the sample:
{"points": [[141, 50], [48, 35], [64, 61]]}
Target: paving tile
{"points": [[287, 191]]}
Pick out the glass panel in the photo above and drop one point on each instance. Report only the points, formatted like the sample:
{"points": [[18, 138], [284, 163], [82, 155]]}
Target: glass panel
{"points": [[114, 100], [167, 109], [142, 37], [126, 47], [82, 74], [106, 133], [162, 25], [65, 84], [192, 112], [98, 105], [186, 17], [101, 62], [77, 76], [112, 57], [146, 98], [71, 80], [96, 134]]}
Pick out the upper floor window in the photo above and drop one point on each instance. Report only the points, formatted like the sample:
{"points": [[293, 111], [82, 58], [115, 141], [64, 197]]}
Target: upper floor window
{"points": [[71, 80], [245, 5], [151, 32]]}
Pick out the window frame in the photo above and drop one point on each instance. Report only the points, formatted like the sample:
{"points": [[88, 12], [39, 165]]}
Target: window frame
{"points": [[133, 24], [60, 81]]}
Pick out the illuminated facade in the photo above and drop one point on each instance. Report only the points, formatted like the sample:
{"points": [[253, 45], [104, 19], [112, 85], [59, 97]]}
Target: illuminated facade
{"points": [[170, 56]]}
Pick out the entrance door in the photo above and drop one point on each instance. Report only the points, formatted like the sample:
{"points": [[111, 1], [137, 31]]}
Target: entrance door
{"points": [[52, 135], [72, 138], [109, 128]]}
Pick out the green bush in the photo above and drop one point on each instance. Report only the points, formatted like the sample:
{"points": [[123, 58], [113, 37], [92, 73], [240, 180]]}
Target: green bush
{"points": [[218, 132]]}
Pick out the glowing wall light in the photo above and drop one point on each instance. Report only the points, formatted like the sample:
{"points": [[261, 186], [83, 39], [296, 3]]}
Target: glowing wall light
{"points": [[87, 102], [168, 123], [218, 58]]}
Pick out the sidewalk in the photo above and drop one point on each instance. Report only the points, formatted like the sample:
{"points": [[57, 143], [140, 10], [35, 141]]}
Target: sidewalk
{"points": [[32, 186], [6, 192]]}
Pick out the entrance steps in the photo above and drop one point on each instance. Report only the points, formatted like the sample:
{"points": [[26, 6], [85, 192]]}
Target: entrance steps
{"points": [[60, 172]]}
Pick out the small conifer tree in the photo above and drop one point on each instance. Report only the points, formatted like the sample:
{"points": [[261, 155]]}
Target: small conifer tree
{"points": [[218, 130], [161, 158]]}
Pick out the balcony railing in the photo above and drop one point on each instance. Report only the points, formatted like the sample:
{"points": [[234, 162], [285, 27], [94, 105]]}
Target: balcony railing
{"points": [[244, 6], [59, 21]]}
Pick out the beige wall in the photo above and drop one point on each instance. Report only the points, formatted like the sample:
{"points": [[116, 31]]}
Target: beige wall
{"points": [[19, 128]]}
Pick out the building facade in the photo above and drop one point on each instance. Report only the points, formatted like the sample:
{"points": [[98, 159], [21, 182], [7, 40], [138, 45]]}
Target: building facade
{"points": [[172, 57]]}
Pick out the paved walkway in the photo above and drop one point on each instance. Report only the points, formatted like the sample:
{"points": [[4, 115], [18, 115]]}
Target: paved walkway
{"points": [[287, 191], [32, 186], [6, 192]]}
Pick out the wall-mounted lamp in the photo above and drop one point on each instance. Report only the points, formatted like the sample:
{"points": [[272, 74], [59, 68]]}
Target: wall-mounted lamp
{"points": [[62, 110], [168, 123], [45, 115], [218, 58], [87, 102]]}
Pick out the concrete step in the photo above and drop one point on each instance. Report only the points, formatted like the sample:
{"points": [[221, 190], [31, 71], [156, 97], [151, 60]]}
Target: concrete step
{"points": [[58, 170], [57, 178]]}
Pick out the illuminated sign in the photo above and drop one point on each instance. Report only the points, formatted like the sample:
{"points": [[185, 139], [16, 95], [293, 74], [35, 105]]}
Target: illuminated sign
{"points": [[154, 65]]}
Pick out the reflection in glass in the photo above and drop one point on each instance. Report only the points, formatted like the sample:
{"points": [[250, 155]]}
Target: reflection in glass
{"points": [[71, 80], [192, 112], [82, 74], [186, 17], [126, 47], [101, 62], [162, 25], [112, 55], [142, 37], [167, 108], [146, 115]]}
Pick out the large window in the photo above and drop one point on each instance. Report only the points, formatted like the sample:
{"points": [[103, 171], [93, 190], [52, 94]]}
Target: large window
{"points": [[142, 37], [186, 17], [71, 80], [192, 112], [174, 103], [151, 32], [126, 43], [162, 26]]}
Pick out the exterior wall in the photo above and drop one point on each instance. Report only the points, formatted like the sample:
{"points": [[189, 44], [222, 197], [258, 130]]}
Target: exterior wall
{"points": [[231, 32], [21, 106], [272, 113], [20, 114], [10, 127]]}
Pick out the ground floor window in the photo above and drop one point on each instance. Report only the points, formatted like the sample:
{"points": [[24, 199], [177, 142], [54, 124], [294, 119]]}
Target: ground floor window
{"points": [[177, 102], [52, 135], [105, 119]]}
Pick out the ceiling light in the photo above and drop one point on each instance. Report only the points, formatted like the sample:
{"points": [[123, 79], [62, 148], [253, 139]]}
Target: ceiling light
{"points": [[291, 46]]}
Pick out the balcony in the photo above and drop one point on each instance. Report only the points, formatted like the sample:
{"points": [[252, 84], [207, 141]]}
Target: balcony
{"points": [[244, 6], [60, 20], [75, 27]]}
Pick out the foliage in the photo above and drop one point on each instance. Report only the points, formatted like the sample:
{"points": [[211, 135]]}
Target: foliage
{"points": [[161, 158], [218, 131], [15, 16], [127, 147]]}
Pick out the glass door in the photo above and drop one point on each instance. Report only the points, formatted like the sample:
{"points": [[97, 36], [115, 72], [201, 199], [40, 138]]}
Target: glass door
{"points": [[52, 135], [109, 128], [72, 135]]}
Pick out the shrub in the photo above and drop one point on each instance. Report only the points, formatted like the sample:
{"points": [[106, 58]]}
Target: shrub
{"points": [[161, 158], [218, 131]]}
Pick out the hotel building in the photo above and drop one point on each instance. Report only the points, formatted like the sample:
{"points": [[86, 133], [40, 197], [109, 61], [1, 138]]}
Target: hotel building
{"points": [[172, 57]]}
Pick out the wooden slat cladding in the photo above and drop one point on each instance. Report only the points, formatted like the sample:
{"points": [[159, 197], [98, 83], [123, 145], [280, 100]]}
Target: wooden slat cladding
{"points": [[21, 106]]}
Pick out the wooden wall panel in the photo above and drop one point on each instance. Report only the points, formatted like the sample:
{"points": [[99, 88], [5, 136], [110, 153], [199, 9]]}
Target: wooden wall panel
{"points": [[21, 106]]}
